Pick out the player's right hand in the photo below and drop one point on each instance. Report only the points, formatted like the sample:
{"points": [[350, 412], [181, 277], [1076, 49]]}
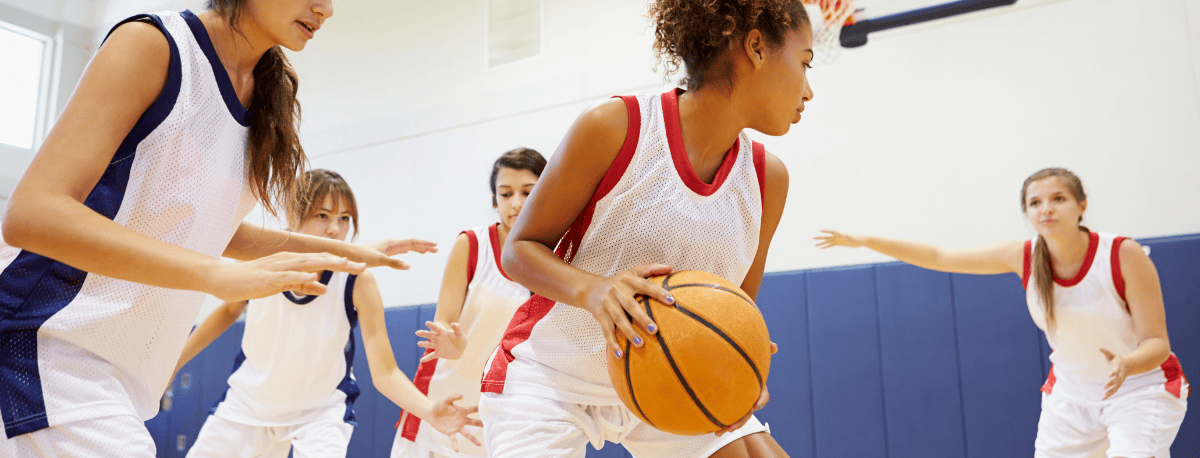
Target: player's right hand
{"points": [[835, 238], [262, 277], [612, 301]]}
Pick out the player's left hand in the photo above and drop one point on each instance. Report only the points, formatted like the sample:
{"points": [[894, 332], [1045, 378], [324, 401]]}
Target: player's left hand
{"points": [[451, 420], [1117, 377], [446, 342], [380, 253], [762, 402]]}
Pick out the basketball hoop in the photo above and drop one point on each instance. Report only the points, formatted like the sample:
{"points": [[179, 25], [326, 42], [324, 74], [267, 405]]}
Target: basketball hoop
{"points": [[828, 17]]}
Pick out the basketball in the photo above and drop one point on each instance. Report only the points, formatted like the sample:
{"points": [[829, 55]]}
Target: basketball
{"points": [[706, 367]]}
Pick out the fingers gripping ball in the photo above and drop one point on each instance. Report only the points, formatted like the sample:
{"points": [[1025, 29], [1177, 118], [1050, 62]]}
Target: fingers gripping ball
{"points": [[706, 367]]}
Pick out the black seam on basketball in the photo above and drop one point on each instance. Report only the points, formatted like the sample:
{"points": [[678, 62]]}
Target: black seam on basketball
{"points": [[629, 383], [679, 374], [710, 285], [721, 333]]}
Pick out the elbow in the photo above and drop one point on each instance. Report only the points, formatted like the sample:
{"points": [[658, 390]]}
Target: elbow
{"points": [[15, 227], [508, 259]]}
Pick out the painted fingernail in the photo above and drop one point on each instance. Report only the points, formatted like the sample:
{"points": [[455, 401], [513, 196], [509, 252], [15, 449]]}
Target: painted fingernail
{"points": [[670, 298], [637, 341], [617, 353], [652, 328]]}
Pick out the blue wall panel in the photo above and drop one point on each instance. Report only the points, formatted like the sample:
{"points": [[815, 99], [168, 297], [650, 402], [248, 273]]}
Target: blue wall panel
{"points": [[783, 300], [1000, 357], [1178, 264], [844, 349], [920, 362]]}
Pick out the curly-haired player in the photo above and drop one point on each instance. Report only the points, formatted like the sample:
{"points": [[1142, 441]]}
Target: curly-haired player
{"points": [[667, 179]]}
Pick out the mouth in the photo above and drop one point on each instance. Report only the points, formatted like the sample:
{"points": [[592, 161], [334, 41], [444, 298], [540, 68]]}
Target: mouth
{"points": [[308, 28]]}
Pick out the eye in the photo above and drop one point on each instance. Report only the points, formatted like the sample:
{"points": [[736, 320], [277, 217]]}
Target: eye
{"points": [[1060, 199], [322, 216], [506, 194], [345, 219]]}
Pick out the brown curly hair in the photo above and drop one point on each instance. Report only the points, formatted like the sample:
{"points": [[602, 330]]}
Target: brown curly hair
{"points": [[697, 33]]}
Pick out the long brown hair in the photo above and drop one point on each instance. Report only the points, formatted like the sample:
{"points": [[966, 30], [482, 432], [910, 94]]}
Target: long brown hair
{"points": [[699, 33], [1042, 270], [314, 186], [275, 156]]}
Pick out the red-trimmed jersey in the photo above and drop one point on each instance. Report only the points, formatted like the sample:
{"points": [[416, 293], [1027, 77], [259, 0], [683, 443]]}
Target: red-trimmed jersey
{"points": [[491, 300], [649, 207], [1091, 313]]}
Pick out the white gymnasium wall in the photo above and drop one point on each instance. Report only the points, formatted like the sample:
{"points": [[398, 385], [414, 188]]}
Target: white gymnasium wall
{"points": [[925, 133]]}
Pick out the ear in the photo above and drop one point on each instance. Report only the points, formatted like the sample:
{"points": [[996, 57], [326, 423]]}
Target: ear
{"points": [[755, 47], [1082, 208]]}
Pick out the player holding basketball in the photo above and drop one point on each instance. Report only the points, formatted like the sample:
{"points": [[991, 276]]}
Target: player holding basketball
{"points": [[114, 234], [291, 388], [669, 179], [1115, 383], [475, 305]]}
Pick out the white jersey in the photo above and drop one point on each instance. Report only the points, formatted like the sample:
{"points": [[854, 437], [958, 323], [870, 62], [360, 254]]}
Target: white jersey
{"points": [[1091, 313], [491, 300], [297, 353], [649, 207], [78, 345]]}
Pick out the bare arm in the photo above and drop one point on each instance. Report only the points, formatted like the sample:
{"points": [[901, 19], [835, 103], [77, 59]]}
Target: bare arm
{"points": [[252, 241], [46, 214], [213, 326], [387, 377], [444, 334], [569, 180], [776, 198], [999, 258], [1143, 294]]}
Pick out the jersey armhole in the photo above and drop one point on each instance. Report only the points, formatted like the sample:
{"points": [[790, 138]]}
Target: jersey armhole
{"points": [[472, 254], [351, 310], [1028, 258], [574, 236], [158, 110], [760, 168], [1115, 261]]}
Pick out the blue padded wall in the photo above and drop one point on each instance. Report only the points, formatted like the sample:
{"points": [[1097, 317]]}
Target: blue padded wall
{"points": [[883, 360]]}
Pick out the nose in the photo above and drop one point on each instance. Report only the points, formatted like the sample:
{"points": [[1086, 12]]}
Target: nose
{"points": [[808, 92], [334, 228], [323, 8]]}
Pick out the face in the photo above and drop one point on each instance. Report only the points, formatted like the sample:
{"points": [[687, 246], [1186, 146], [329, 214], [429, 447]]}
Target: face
{"points": [[781, 84], [289, 23], [512, 188], [331, 220], [1051, 208]]}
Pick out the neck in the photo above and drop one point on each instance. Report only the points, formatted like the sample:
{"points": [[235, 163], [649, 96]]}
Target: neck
{"points": [[239, 50], [711, 122], [1069, 248]]}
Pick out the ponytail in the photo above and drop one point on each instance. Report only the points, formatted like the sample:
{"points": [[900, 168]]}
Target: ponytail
{"points": [[1044, 276], [276, 157]]}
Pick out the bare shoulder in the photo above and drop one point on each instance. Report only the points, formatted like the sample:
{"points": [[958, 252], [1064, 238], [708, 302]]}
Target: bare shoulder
{"points": [[776, 171], [144, 40], [1133, 254], [602, 129]]}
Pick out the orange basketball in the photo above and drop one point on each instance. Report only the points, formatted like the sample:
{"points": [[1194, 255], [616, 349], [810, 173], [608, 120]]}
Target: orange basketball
{"points": [[707, 365]]}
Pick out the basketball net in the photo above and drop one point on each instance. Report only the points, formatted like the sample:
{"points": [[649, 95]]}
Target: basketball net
{"points": [[828, 17]]}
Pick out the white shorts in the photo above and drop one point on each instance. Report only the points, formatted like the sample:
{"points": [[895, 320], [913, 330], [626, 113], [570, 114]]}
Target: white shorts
{"points": [[221, 438], [424, 446], [517, 426], [1138, 424], [108, 437]]}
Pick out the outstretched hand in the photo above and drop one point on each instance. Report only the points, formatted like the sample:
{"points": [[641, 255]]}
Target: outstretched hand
{"points": [[835, 238], [380, 253], [262, 277], [450, 419], [446, 342]]}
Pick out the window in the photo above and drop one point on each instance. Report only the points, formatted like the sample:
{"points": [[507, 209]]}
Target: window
{"points": [[23, 56], [514, 31]]}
